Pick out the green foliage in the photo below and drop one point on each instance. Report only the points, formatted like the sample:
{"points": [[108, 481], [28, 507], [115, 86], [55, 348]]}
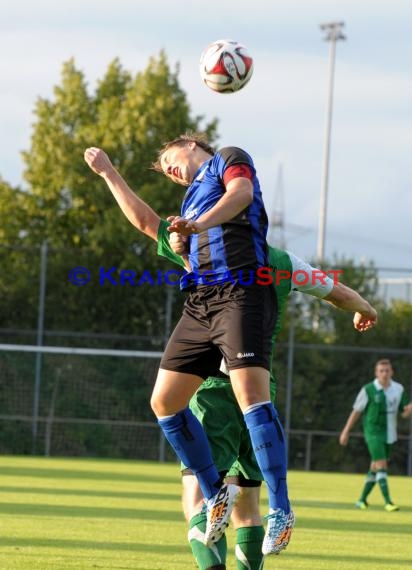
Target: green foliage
{"points": [[327, 377], [12, 214], [69, 206], [130, 117]]}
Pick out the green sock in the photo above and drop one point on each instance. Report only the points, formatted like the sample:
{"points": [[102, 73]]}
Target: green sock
{"points": [[369, 485], [249, 548], [382, 479], [205, 556]]}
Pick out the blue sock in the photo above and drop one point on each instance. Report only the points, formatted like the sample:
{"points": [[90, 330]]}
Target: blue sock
{"points": [[268, 442], [185, 434]]}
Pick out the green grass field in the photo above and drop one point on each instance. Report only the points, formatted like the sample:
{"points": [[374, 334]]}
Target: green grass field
{"points": [[63, 514]]}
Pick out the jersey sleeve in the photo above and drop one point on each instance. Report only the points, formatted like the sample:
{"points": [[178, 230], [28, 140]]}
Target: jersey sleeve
{"points": [[233, 162], [361, 401], [237, 171], [308, 279], [163, 244]]}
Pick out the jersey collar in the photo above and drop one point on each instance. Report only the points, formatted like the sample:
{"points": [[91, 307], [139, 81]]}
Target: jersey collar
{"points": [[379, 386], [200, 172]]}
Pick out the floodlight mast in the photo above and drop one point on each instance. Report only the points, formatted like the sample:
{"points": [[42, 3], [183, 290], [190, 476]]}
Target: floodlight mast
{"points": [[333, 33]]}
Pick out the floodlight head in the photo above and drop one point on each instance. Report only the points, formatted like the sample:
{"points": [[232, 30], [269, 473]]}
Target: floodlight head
{"points": [[328, 25], [333, 31]]}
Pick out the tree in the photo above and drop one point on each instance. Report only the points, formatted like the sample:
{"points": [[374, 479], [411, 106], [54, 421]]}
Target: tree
{"points": [[70, 207], [17, 273], [12, 214], [130, 118]]}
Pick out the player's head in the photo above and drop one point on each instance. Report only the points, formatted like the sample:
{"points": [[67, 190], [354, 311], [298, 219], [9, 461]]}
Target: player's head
{"points": [[383, 370], [180, 158]]}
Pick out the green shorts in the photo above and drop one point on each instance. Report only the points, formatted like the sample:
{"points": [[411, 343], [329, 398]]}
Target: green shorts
{"points": [[215, 406], [378, 448]]}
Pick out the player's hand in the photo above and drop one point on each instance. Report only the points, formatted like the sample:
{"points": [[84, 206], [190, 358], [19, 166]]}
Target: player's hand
{"points": [[179, 243], [98, 160], [365, 321], [407, 411], [344, 438], [184, 227]]}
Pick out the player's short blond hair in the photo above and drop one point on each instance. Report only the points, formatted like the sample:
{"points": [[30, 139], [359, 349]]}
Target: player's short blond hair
{"points": [[200, 139]]}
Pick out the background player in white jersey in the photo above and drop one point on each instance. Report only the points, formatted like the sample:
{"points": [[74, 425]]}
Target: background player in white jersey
{"points": [[379, 402]]}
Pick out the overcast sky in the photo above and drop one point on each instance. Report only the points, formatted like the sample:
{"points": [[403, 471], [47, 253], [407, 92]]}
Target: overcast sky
{"points": [[280, 115]]}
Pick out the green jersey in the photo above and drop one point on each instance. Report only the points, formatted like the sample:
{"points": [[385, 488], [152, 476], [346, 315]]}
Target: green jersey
{"points": [[380, 408]]}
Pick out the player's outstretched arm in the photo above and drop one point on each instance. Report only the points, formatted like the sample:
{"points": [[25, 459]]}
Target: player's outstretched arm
{"points": [[318, 284], [136, 210], [352, 419], [345, 298]]}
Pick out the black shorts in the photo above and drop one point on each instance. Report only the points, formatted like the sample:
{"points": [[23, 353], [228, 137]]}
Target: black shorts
{"points": [[227, 320]]}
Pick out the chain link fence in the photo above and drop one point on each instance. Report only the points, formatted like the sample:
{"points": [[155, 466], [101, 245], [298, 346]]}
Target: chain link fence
{"points": [[96, 403]]}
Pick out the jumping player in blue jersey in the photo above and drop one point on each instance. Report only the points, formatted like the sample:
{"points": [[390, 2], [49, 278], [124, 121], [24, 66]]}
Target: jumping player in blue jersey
{"points": [[230, 445], [224, 216]]}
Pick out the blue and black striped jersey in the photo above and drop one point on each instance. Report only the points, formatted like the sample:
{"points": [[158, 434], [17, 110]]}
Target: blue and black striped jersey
{"points": [[238, 245]]}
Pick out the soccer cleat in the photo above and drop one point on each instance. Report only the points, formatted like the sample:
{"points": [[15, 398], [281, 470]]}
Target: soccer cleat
{"points": [[363, 505], [219, 508], [390, 507], [278, 531]]}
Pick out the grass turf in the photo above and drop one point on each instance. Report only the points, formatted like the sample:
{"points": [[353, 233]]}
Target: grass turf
{"points": [[63, 514]]}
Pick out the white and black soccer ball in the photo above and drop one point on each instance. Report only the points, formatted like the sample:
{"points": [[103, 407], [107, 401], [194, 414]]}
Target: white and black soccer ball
{"points": [[226, 66]]}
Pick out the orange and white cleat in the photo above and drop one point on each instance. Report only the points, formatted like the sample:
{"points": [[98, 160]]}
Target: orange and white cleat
{"points": [[219, 509]]}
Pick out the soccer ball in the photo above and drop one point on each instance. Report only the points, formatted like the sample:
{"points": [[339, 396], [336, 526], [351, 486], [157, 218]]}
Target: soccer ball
{"points": [[226, 66]]}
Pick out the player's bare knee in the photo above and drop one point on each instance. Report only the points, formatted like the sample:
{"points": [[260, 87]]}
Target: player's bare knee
{"points": [[154, 404], [251, 385], [160, 403]]}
